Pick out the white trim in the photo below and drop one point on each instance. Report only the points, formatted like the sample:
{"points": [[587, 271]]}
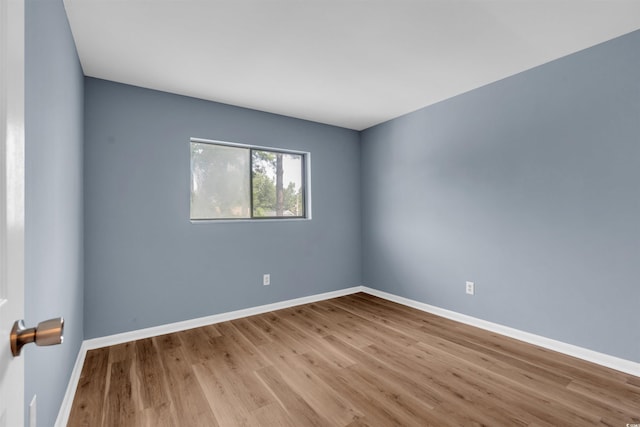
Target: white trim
{"points": [[307, 182], [91, 344], [241, 145], [240, 220], [612, 362], [210, 320], [67, 400]]}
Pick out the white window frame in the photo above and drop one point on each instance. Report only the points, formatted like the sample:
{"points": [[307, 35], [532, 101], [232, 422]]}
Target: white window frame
{"points": [[306, 155]]}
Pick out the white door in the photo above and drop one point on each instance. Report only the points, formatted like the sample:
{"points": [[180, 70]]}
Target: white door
{"points": [[11, 206]]}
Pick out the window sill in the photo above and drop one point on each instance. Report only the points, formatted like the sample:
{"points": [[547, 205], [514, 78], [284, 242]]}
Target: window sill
{"points": [[244, 220]]}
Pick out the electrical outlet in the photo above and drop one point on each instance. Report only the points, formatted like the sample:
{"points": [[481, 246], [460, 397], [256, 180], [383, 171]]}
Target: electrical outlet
{"points": [[471, 288], [266, 279]]}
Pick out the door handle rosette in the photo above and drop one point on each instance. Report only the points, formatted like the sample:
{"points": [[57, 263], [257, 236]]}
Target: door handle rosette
{"points": [[48, 332]]}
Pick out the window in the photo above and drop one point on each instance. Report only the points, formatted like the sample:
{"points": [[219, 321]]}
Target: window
{"points": [[233, 181]]}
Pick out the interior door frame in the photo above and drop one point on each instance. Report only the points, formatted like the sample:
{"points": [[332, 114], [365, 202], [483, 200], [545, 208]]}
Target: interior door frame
{"points": [[12, 169]]}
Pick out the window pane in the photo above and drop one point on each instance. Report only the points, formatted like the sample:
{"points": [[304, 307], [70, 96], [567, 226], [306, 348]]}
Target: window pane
{"points": [[277, 184], [219, 181]]}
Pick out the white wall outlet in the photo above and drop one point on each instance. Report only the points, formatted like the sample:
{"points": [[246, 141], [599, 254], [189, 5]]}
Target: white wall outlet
{"points": [[266, 279], [471, 288], [32, 412]]}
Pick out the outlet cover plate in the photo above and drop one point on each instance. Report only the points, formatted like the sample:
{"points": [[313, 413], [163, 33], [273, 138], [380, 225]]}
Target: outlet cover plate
{"points": [[471, 288]]}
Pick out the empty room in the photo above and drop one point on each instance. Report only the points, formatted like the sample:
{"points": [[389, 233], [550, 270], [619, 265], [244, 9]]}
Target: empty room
{"points": [[320, 213]]}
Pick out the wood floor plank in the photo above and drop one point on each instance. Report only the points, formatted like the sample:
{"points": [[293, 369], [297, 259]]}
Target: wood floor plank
{"points": [[271, 329], [157, 409], [225, 397], [397, 390], [361, 422], [292, 402], [240, 348], [158, 416], [119, 406], [344, 324], [250, 332], [153, 390], [354, 361], [319, 345], [88, 403], [634, 382], [371, 404], [198, 345], [191, 406], [301, 316], [310, 387], [272, 415]]}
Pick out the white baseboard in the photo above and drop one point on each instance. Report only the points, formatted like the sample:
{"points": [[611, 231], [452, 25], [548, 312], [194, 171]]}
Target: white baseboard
{"points": [[210, 320], [612, 362], [67, 400]]}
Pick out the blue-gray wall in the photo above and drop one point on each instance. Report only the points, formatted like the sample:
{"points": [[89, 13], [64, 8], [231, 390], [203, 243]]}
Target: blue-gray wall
{"points": [[147, 265], [53, 200], [531, 188]]}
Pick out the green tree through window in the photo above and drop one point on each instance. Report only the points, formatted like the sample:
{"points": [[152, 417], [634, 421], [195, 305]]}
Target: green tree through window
{"points": [[271, 198]]}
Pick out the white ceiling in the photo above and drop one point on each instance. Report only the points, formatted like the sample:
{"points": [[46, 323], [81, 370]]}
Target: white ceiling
{"points": [[350, 63]]}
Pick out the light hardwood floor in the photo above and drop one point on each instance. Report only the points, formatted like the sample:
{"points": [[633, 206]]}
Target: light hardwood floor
{"points": [[351, 361]]}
